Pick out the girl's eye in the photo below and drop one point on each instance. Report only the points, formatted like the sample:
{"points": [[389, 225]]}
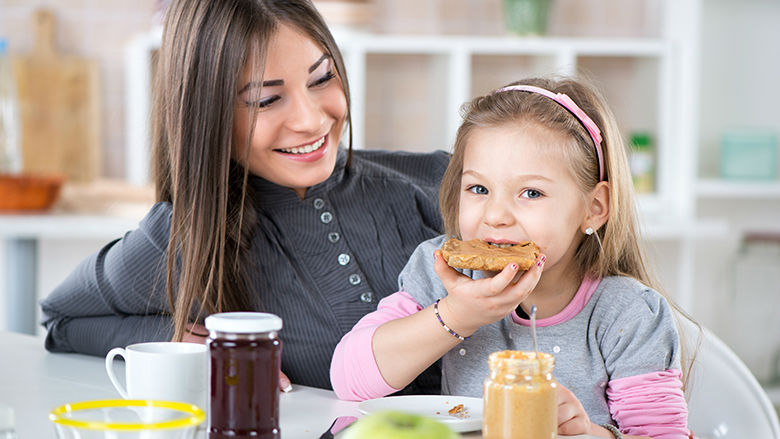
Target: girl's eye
{"points": [[478, 189], [325, 78], [531, 194]]}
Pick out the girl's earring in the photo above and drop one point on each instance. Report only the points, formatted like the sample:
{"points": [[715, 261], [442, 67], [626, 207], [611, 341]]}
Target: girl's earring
{"points": [[589, 231]]}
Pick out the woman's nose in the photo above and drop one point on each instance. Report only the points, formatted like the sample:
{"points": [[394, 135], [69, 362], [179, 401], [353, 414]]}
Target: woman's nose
{"points": [[306, 113]]}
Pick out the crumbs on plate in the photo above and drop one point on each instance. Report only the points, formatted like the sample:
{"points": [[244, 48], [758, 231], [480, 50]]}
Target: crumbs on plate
{"points": [[459, 412]]}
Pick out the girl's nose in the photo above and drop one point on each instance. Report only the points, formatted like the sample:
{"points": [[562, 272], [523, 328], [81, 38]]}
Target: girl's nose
{"points": [[497, 212], [306, 113]]}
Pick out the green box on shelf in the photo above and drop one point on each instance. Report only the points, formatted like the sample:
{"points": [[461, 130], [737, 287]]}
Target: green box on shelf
{"points": [[749, 155]]}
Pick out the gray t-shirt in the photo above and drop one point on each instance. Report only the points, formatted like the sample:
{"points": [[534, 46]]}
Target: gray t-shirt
{"points": [[625, 329]]}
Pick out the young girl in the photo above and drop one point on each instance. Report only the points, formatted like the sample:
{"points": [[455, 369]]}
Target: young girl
{"points": [[539, 160]]}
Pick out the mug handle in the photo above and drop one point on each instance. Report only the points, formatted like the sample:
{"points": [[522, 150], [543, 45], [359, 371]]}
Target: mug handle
{"points": [[110, 369]]}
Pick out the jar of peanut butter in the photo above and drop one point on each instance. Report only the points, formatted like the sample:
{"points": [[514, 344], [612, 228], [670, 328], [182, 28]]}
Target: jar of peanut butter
{"points": [[520, 397]]}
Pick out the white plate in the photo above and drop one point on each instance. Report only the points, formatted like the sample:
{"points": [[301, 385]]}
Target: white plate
{"points": [[432, 406]]}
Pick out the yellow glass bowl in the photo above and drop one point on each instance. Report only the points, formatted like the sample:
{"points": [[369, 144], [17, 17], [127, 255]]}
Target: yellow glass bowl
{"points": [[119, 415]]}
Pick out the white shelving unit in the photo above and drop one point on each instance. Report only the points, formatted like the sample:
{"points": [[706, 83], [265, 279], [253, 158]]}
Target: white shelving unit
{"points": [[721, 189]]}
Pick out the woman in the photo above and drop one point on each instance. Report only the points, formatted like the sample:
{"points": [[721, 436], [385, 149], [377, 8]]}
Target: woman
{"points": [[258, 207]]}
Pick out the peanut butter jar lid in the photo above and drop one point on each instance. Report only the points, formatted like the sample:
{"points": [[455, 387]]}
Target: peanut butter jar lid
{"points": [[243, 322]]}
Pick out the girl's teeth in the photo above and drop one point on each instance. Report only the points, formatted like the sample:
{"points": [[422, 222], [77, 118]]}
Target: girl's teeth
{"points": [[500, 245], [306, 149]]}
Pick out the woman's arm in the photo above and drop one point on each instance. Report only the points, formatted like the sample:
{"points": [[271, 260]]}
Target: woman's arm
{"points": [[116, 296]]}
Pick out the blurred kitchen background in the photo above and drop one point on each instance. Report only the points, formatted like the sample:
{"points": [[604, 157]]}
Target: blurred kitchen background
{"points": [[694, 84]]}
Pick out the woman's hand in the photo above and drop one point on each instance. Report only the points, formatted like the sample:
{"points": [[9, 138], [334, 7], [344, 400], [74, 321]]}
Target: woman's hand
{"points": [[197, 333], [471, 304], [284, 383]]}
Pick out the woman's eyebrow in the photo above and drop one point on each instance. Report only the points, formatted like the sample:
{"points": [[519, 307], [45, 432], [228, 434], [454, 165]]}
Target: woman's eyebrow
{"points": [[318, 62], [252, 84], [278, 82]]}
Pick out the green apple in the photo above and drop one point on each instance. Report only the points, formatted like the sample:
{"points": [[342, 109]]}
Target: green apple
{"points": [[398, 425]]}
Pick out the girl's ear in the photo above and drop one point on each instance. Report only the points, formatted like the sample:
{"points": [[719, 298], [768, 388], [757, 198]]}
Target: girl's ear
{"points": [[597, 209]]}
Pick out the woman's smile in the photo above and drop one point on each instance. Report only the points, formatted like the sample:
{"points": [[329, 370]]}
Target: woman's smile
{"points": [[308, 152]]}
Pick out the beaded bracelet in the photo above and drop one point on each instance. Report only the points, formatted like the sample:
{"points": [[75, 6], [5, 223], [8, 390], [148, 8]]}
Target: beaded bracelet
{"points": [[444, 325], [614, 430]]}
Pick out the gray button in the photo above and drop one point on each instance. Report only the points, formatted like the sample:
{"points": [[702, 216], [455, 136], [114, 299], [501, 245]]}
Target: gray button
{"points": [[326, 217], [344, 259], [319, 203], [333, 236], [354, 279], [367, 297]]}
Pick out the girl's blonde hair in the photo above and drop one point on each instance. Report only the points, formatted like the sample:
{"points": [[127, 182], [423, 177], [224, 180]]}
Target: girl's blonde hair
{"points": [[616, 250]]}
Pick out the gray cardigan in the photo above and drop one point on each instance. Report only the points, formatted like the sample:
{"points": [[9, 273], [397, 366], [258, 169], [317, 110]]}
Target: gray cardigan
{"points": [[322, 263]]}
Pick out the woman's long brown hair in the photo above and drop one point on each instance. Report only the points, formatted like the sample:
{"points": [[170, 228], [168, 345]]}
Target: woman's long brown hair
{"points": [[206, 44]]}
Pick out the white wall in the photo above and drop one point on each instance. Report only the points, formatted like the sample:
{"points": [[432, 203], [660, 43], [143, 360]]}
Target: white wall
{"points": [[740, 71], [740, 88]]}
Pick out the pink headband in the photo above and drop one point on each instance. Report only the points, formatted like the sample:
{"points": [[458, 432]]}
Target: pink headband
{"points": [[568, 104]]}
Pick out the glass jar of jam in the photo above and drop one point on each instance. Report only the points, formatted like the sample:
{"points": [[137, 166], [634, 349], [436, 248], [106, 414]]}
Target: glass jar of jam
{"points": [[246, 359], [520, 397]]}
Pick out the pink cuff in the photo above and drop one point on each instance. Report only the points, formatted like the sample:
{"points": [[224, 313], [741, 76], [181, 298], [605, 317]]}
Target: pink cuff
{"points": [[354, 373], [651, 404]]}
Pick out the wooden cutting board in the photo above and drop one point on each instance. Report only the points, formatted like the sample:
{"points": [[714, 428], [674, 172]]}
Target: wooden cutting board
{"points": [[59, 108]]}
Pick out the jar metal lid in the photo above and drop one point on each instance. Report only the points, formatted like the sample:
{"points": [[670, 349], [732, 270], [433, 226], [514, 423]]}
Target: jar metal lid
{"points": [[243, 322]]}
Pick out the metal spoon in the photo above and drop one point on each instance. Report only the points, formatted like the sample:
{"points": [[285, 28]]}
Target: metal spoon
{"points": [[533, 330]]}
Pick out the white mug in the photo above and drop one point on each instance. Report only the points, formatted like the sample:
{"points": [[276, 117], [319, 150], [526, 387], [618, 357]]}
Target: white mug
{"points": [[168, 371]]}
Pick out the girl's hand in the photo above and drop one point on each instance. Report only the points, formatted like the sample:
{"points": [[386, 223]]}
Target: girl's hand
{"points": [[572, 418], [471, 304]]}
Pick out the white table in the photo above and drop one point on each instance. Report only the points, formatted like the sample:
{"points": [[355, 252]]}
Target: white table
{"points": [[22, 233], [33, 381]]}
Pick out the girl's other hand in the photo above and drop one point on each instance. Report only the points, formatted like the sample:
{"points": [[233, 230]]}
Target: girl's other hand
{"points": [[572, 417], [574, 420], [471, 304]]}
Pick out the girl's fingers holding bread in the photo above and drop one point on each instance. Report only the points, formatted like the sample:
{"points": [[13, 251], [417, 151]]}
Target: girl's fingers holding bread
{"points": [[526, 282]]}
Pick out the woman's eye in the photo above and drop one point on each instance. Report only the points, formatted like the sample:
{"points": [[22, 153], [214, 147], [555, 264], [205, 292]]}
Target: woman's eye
{"points": [[478, 189], [262, 103], [325, 78], [531, 193]]}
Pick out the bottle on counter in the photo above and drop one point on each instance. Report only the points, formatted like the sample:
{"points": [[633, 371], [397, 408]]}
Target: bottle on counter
{"points": [[520, 397], [10, 142], [642, 162], [246, 359]]}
